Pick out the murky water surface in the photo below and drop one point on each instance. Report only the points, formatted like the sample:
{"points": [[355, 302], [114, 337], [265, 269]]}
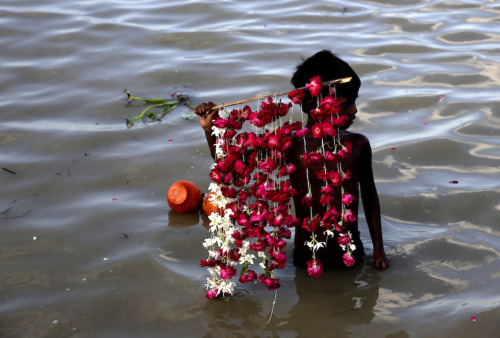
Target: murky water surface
{"points": [[88, 245]]}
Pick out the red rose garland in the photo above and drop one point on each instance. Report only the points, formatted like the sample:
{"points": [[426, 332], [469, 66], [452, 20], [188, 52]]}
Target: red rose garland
{"points": [[250, 183]]}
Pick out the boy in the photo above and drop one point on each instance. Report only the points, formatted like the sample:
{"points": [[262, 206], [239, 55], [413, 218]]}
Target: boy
{"points": [[328, 67]]}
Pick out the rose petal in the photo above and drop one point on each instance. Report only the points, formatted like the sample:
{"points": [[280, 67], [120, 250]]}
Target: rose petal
{"points": [[170, 141], [473, 319]]}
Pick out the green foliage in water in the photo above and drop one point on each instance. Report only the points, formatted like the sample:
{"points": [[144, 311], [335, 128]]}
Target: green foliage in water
{"points": [[160, 106]]}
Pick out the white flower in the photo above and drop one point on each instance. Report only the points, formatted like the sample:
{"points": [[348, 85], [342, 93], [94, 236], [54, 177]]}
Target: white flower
{"points": [[245, 245], [213, 187], [226, 246], [215, 271], [209, 242], [219, 152], [246, 258], [315, 246], [227, 287], [217, 132]]}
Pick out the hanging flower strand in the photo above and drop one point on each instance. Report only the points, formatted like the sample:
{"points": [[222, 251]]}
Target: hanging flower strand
{"points": [[253, 193], [326, 127]]}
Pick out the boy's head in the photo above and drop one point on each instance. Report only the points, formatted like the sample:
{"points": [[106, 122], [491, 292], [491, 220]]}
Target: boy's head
{"points": [[328, 67]]}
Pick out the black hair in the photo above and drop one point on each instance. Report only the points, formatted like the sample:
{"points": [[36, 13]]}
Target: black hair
{"points": [[329, 67]]}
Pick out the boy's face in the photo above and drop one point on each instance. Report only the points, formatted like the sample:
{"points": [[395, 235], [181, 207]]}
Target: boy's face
{"points": [[348, 108]]}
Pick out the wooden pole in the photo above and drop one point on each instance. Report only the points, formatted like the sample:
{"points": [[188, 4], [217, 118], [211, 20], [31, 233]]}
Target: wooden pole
{"points": [[329, 83]]}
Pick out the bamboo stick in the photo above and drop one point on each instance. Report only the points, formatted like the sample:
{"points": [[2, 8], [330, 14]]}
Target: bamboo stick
{"points": [[329, 83]]}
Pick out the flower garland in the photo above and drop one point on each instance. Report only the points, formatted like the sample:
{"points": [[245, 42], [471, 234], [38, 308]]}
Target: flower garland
{"points": [[250, 185]]}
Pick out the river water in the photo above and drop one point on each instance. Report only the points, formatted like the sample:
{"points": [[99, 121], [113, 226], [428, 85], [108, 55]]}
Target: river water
{"points": [[88, 244]]}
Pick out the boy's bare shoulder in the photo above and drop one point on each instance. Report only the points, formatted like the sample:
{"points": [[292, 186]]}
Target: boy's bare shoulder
{"points": [[356, 139]]}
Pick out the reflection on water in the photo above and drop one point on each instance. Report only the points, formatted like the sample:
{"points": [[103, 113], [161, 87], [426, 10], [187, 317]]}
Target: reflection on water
{"points": [[74, 179]]}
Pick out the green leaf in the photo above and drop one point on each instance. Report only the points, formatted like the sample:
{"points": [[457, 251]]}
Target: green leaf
{"points": [[167, 105]]}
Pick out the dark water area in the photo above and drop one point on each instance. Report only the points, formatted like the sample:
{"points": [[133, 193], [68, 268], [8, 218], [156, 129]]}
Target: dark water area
{"points": [[88, 244]]}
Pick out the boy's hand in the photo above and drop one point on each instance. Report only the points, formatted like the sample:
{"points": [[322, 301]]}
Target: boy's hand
{"points": [[379, 259], [206, 115]]}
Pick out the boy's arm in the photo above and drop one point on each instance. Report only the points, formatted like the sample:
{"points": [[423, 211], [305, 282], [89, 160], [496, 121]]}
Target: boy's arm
{"points": [[371, 204], [206, 116]]}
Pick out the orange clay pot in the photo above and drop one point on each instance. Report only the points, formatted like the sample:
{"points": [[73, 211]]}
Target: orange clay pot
{"points": [[184, 196], [209, 207]]}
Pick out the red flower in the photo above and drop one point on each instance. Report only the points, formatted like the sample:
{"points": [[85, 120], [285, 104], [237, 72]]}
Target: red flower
{"points": [[211, 294], [216, 176], [327, 190], [278, 257], [344, 240], [242, 219], [318, 113], [286, 143], [243, 195], [317, 130], [315, 85], [234, 255], [221, 123], [311, 225], [348, 259], [347, 199], [307, 200], [257, 120], [278, 221], [258, 217], [245, 113], [347, 176], [345, 152], [258, 246], [285, 233], [274, 142], [239, 167], [335, 179], [248, 276], [230, 133], [330, 105], [330, 218], [227, 272], [227, 163], [210, 263], [286, 170], [349, 217], [270, 283], [340, 121], [314, 268], [326, 200], [328, 129], [297, 96], [228, 192], [302, 132], [228, 178], [330, 157], [268, 166]]}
